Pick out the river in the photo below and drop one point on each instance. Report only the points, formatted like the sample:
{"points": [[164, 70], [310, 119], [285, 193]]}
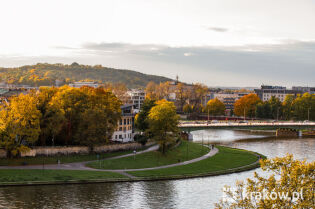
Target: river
{"points": [[188, 193]]}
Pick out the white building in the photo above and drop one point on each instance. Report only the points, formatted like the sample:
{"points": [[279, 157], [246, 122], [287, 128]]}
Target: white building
{"points": [[280, 92], [80, 84], [136, 97], [124, 131]]}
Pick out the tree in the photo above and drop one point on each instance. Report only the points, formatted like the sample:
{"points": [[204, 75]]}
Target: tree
{"points": [[288, 106], [197, 93], [187, 108], [182, 95], [52, 119], [72, 102], [163, 122], [19, 124], [246, 105], [304, 107], [151, 91], [215, 107], [99, 118], [275, 107], [290, 186], [141, 119]]}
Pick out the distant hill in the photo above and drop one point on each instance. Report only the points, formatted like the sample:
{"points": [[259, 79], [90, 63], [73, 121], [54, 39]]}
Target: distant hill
{"points": [[43, 74]]}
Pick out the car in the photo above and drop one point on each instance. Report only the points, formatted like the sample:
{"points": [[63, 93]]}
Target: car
{"points": [[214, 121], [243, 121]]}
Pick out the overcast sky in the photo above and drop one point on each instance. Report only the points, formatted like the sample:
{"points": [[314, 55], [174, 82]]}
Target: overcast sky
{"points": [[216, 42]]}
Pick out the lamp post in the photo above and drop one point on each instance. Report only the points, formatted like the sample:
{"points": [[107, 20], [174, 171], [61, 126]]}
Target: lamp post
{"points": [[308, 114]]}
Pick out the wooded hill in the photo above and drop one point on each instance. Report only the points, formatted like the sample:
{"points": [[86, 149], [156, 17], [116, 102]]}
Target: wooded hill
{"points": [[43, 74]]}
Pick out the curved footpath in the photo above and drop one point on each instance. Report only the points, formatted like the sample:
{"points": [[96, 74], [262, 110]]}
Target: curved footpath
{"points": [[82, 166]]}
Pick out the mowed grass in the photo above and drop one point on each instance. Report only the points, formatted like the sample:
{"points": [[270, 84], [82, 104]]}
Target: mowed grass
{"points": [[185, 151], [54, 159], [29, 175], [227, 158]]}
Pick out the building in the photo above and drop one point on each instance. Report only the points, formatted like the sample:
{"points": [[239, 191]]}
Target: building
{"points": [[80, 84], [136, 97], [228, 99], [280, 92], [304, 89], [124, 131]]}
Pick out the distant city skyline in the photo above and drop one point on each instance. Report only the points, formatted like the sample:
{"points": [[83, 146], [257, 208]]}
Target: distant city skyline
{"points": [[240, 43]]}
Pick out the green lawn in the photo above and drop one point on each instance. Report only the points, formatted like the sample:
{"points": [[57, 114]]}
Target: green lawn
{"points": [[28, 175], [226, 158], [185, 151], [54, 159]]}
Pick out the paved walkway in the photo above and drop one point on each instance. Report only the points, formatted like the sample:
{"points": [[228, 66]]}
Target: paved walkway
{"points": [[82, 165]]}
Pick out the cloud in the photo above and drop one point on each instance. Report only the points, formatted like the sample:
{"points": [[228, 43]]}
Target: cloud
{"points": [[289, 63], [218, 29]]}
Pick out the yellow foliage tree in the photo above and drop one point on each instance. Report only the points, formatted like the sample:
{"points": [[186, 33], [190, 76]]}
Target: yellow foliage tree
{"points": [[163, 122], [215, 107], [19, 124], [291, 185]]}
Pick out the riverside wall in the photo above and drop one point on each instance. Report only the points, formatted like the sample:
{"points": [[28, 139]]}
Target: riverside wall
{"points": [[74, 150]]}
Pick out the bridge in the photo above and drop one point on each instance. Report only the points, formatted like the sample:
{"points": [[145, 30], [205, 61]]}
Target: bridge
{"points": [[198, 125]]}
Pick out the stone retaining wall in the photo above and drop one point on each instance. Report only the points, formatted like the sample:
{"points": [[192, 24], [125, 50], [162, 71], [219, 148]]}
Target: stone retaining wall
{"points": [[83, 150], [3, 153]]}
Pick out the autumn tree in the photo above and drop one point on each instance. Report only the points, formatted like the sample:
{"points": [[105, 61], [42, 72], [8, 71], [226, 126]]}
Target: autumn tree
{"points": [[99, 119], [52, 118], [291, 185], [246, 105], [215, 107], [197, 92], [72, 102], [163, 122], [182, 95], [151, 91], [187, 108], [19, 124]]}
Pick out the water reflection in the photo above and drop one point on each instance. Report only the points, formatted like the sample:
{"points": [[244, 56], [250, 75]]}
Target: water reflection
{"points": [[189, 193]]}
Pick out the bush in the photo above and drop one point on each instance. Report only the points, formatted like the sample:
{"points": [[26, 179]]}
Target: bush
{"points": [[142, 139]]}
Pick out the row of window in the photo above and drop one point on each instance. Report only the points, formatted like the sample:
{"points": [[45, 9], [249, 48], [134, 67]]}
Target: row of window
{"points": [[123, 136]]}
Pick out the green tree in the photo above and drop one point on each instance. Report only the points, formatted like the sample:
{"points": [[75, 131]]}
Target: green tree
{"points": [[163, 122], [288, 106], [304, 107], [141, 120]]}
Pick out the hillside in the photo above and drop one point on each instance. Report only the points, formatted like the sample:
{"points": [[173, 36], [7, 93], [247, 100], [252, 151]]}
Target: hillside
{"points": [[43, 74]]}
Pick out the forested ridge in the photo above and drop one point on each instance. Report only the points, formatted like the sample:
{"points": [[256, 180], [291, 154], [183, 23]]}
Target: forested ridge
{"points": [[44, 74]]}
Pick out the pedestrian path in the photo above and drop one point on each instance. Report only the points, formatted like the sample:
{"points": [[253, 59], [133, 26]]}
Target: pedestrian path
{"points": [[82, 165]]}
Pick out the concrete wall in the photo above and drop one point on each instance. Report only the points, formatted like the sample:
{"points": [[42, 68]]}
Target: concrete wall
{"points": [[3, 153], [51, 151]]}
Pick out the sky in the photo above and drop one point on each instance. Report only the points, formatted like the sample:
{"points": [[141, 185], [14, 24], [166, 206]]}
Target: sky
{"points": [[216, 42]]}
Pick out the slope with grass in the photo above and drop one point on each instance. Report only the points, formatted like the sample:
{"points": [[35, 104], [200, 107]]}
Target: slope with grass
{"points": [[185, 151], [32, 176], [54, 159], [226, 161]]}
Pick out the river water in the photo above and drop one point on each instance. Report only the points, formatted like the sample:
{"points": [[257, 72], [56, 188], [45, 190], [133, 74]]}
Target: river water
{"points": [[188, 193]]}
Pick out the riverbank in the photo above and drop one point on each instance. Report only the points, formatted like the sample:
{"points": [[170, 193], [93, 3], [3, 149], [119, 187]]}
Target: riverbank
{"points": [[228, 160]]}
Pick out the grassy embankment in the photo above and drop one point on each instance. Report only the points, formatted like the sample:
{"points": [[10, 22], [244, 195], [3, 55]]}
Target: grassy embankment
{"points": [[54, 159], [28, 175], [227, 158], [185, 151]]}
